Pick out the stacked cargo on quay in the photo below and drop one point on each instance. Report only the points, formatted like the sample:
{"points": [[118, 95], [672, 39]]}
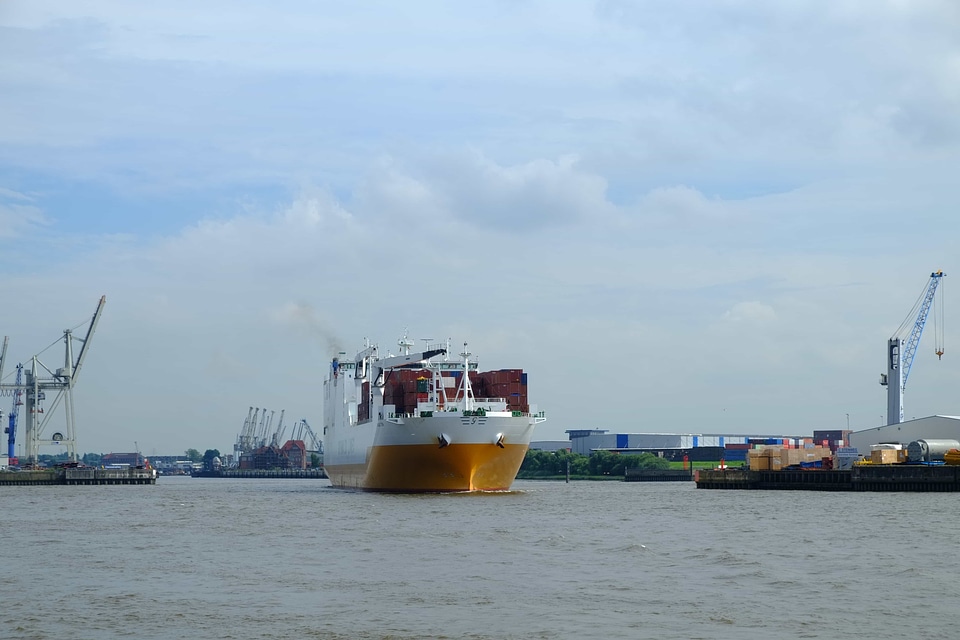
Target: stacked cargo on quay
{"points": [[924, 465], [421, 422]]}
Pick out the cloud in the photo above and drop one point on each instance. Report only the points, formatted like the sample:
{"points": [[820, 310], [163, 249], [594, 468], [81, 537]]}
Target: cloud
{"points": [[753, 313], [18, 214], [479, 192], [682, 204]]}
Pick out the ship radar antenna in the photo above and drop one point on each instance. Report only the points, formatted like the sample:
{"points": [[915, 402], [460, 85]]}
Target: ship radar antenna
{"points": [[405, 343]]}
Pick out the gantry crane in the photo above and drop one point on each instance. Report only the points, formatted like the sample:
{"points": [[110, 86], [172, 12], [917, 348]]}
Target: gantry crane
{"points": [[900, 351], [39, 379]]}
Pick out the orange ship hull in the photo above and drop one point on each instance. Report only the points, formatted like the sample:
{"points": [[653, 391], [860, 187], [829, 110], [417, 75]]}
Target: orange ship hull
{"points": [[418, 468]]}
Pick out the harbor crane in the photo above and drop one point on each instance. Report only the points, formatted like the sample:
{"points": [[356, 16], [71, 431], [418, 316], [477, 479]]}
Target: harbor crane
{"points": [[11, 428], [901, 350], [40, 379], [277, 438], [301, 429]]}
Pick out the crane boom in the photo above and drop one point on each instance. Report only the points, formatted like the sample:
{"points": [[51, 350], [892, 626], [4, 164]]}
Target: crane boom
{"points": [[3, 355], [901, 352], [913, 341], [86, 340]]}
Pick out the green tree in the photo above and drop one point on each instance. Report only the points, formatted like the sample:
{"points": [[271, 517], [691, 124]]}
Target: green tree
{"points": [[601, 462], [540, 464], [193, 455], [92, 459], [208, 457], [314, 461]]}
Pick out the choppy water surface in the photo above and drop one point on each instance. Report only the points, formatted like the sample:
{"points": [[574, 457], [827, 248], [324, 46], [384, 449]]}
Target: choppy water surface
{"points": [[210, 558]]}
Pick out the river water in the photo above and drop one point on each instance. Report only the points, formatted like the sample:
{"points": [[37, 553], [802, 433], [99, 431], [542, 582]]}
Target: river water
{"points": [[218, 558]]}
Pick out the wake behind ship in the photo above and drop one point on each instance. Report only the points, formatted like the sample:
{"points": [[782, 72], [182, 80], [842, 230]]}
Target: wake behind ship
{"points": [[414, 423]]}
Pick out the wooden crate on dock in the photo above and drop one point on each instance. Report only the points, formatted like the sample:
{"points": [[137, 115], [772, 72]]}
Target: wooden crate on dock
{"points": [[885, 456], [758, 459]]}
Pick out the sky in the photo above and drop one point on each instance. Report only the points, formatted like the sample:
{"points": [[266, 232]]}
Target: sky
{"points": [[695, 217]]}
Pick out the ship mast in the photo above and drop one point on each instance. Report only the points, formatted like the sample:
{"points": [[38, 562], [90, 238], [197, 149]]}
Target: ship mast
{"points": [[467, 389]]}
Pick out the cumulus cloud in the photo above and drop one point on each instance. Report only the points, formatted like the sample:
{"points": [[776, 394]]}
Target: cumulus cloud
{"points": [[683, 204], [479, 192], [753, 312]]}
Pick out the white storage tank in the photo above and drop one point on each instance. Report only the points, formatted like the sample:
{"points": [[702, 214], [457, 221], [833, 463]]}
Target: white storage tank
{"points": [[930, 449]]}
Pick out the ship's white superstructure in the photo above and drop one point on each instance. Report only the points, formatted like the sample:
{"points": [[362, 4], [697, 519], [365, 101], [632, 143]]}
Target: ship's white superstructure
{"points": [[431, 434]]}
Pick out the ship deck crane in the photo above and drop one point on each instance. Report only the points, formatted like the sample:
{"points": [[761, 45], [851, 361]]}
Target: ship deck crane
{"points": [[901, 351]]}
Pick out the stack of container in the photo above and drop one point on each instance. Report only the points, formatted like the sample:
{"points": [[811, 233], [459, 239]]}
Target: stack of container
{"points": [[403, 388], [771, 458], [510, 384]]}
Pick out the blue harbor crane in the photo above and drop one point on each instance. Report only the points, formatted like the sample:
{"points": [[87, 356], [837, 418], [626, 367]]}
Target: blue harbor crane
{"points": [[901, 351], [14, 412]]}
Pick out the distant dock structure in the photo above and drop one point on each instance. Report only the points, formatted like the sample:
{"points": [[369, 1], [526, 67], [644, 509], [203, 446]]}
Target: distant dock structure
{"points": [[78, 475], [260, 473]]}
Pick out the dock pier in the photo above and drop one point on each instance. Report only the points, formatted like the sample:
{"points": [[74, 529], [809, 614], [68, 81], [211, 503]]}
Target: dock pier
{"points": [[261, 473], [868, 477], [77, 476], [657, 475]]}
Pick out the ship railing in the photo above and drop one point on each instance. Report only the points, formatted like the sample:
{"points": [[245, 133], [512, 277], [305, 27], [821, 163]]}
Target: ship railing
{"points": [[540, 416]]}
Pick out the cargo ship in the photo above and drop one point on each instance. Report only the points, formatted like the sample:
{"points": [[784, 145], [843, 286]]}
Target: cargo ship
{"points": [[422, 422]]}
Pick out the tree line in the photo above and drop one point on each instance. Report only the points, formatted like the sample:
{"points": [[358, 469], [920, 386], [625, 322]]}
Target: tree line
{"points": [[541, 464]]}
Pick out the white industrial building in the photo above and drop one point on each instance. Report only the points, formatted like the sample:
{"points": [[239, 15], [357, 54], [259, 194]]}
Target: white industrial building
{"points": [[585, 441], [932, 427]]}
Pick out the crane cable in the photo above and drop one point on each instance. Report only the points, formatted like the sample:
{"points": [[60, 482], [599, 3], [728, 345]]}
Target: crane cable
{"points": [[909, 321], [938, 325]]}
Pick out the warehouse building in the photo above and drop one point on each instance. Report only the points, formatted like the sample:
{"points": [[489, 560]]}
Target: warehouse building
{"points": [[931, 427], [695, 446]]}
